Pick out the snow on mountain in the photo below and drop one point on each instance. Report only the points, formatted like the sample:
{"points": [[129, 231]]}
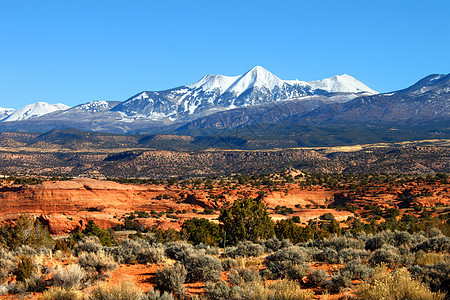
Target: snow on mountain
{"points": [[5, 112], [34, 110], [214, 93], [95, 106], [212, 82], [337, 84]]}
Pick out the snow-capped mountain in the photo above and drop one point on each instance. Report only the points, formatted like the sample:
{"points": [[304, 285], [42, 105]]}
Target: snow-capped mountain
{"points": [[215, 93], [5, 112], [96, 106], [34, 110]]}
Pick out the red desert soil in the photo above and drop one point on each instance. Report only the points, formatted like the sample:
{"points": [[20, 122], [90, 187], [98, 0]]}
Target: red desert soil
{"points": [[67, 205]]}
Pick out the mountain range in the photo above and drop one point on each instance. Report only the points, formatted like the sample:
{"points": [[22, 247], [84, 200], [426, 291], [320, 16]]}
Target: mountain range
{"points": [[255, 103]]}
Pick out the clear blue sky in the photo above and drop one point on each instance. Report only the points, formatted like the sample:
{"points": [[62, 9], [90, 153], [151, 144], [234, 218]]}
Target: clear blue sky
{"points": [[78, 51]]}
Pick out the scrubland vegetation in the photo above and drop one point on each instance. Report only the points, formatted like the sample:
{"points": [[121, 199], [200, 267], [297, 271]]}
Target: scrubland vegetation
{"points": [[384, 252]]}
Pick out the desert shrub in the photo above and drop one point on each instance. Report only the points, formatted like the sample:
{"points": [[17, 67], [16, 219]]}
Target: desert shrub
{"points": [[374, 243], [338, 282], [395, 285], [25, 250], [210, 250], [171, 279], [317, 278], [88, 244], [349, 254], [7, 264], [127, 251], [402, 238], [3, 289], [229, 263], [242, 275], [97, 264], [245, 249], [355, 270], [178, 250], [124, 291], [387, 255], [150, 255], [34, 283], [157, 295], [60, 293], [70, 277], [273, 244], [328, 255], [286, 243], [435, 244], [285, 289], [423, 259], [217, 291], [435, 276], [25, 268], [287, 262], [382, 238], [434, 232], [202, 268], [253, 290], [327, 216], [338, 243]]}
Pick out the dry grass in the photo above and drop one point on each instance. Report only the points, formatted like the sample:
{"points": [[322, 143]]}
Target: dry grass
{"points": [[396, 285], [424, 259], [286, 289], [59, 293], [123, 291]]}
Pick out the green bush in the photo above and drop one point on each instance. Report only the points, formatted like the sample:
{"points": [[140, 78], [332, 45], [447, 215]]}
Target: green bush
{"points": [[201, 231], [92, 229], [247, 219], [25, 268], [26, 232]]}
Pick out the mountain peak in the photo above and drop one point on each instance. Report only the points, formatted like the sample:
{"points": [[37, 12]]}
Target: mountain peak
{"points": [[256, 77], [342, 84], [35, 110]]}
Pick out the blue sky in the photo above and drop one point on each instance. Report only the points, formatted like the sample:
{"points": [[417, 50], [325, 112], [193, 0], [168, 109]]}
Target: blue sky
{"points": [[78, 51]]}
